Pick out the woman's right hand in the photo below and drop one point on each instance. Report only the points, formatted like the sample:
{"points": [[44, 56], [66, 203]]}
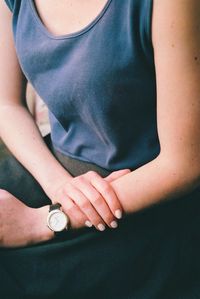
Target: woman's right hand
{"points": [[89, 200]]}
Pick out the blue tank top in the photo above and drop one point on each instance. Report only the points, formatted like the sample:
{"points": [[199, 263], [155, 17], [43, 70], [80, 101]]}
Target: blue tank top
{"points": [[99, 83]]}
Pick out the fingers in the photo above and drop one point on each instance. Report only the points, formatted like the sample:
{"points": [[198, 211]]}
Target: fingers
{"points": [[90, 200], [93, 215], [77, 218], [116, 175], [94, 205], [107, 192]]}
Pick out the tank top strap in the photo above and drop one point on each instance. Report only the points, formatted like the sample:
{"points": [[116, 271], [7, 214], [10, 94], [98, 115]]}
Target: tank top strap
{"points": [[10, 4]]}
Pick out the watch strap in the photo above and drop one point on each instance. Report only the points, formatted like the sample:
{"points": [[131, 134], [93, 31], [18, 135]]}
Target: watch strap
{"points": [[56, 206]]}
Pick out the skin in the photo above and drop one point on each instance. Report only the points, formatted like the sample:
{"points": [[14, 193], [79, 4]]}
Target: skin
{"points": [[176, 170], [16, 232], [21, 225]]}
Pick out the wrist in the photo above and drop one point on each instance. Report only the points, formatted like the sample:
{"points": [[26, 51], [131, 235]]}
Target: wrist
{"points": [[41, 232], [52, 185]]}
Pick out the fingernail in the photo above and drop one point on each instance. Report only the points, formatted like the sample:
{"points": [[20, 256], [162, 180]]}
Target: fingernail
{"points": [[101, 227], [114, 224], [88, 223], [118, 213]]}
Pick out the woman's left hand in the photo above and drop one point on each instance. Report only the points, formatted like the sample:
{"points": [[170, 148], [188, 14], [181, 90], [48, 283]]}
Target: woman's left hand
{"points": [[21, 225], [89, 199]]}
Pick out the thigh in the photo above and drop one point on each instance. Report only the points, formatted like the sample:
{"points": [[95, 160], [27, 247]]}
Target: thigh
{"points": [[142, 259], [152, 255], [18, 181]]}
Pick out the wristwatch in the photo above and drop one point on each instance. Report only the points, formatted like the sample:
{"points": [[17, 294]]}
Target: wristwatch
{"points": [[57, 220]]}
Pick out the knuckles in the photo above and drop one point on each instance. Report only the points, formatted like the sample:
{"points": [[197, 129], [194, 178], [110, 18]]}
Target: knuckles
{"points": [[92, 175], [78, 179], [100, 191], [97, 200], [85, 205], [106, 189]]}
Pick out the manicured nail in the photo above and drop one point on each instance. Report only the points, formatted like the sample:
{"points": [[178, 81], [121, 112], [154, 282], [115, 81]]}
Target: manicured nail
{"points": [[88, 223], [114, 224], [101, 227], [118, 214]]}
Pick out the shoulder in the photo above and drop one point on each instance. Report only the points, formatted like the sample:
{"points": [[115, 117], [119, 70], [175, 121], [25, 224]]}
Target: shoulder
{"points": [[182, 14], [176, 23]]}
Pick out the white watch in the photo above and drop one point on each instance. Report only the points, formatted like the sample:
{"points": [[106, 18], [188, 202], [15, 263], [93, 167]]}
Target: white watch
{"points": [[57, 220]]}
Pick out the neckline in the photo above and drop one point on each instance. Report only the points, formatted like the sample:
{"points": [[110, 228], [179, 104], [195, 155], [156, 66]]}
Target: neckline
{"points": [[69, 35]]}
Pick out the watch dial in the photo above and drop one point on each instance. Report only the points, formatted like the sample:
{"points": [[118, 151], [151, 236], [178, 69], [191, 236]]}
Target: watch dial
{"points": [[58, 221]]}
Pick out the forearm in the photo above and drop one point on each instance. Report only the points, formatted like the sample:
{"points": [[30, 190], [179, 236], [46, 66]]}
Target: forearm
{"points": [[21, 135], [154, 182]]}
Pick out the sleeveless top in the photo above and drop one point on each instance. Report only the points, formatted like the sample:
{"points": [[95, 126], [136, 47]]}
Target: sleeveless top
{"points": [[99, 83]]}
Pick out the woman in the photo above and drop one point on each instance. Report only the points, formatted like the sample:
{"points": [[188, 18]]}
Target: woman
{"points": [[121, 81]]}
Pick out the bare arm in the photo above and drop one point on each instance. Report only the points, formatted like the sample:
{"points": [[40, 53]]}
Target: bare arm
{"points": [[176, 39], [81, 199], [21, 225], [17, 128]]}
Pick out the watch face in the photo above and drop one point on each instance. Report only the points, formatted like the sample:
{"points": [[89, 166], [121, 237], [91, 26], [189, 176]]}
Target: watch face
{"points": [[57, 221]]}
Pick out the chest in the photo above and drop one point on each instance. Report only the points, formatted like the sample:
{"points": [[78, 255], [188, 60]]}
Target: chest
{"points": [[102, 67], [67, 16]]}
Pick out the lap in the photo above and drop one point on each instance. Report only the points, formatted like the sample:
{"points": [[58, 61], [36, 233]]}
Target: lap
{"points": [[153, 254], [15, 179], [143, 262]]}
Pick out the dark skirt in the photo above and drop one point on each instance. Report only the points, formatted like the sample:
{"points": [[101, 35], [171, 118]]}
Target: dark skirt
{"points": [[153, 254]]}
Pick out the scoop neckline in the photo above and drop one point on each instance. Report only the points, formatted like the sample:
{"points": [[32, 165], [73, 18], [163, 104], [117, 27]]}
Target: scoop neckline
{"points": [[68, 35]]}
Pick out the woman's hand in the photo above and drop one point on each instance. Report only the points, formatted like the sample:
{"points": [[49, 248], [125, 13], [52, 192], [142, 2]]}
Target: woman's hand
{"points": [[21, 225], [89, 200]]}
